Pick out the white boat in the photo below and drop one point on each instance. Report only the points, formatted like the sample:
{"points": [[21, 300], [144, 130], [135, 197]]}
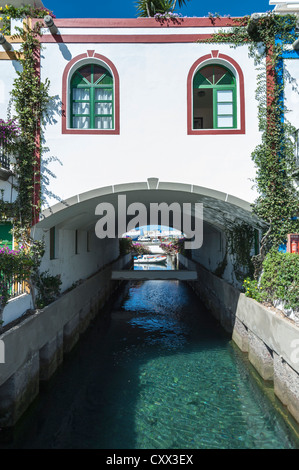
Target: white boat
{"points": [[144, 239], [150, 259]]}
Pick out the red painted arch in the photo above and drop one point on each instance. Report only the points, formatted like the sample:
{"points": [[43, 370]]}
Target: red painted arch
{"points": [[215, 54], [90, 54]]}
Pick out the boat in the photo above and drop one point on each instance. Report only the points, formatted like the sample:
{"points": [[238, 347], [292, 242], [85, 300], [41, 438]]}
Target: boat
{"points": [[150, 259], [144, 239]]}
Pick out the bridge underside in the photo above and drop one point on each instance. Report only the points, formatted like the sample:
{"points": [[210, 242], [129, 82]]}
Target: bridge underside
{"points": [[78, 212], [75, 220], [154, 275]]}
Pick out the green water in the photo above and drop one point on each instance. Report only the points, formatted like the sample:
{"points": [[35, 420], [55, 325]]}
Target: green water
{"points": [[157, 373]]}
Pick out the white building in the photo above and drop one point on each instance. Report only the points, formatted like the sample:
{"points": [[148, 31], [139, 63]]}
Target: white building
{"points": [[141, 98]]}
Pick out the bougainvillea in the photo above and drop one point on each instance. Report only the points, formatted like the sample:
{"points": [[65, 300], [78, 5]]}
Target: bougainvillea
{"points": [[9, 130]]}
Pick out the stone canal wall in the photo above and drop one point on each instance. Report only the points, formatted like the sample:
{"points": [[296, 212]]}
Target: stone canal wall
{"points": [[35, 347], [270, 339]]}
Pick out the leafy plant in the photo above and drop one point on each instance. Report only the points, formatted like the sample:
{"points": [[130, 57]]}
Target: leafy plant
{"points": [[125, 246], [26, 11], [278, 201], [253, 290], [30, 98], [240, 239], [158, 8], [280, 278], [48, 288], [140, 249]]}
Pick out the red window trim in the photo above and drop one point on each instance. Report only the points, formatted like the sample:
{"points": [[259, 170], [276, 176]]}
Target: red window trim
{"points": [[93, 55], [215, 54]]}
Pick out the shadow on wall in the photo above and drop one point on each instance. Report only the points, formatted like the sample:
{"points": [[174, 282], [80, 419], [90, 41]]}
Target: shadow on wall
{"points": [[50, 118]]}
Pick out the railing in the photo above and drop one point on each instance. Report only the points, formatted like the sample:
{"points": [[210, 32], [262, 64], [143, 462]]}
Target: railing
{"points": [[14, 288], [4, 158]]}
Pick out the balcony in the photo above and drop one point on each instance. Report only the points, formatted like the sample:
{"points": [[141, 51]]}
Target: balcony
{"points": [[5, 171]]}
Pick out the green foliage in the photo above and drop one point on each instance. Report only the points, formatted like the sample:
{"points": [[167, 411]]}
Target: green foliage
{"points": [[253, 290], [7, 209], [25, 11], [30, 99], [17, 266], [125, 246], [147, 8], [278, 201], [240, 238], [280, 278], [150, 8], [48, 288], [140, 249]]}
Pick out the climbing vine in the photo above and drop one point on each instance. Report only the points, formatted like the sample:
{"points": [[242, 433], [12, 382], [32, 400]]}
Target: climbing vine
{"points": [[30, 100], [240, 240], [274, 158]]}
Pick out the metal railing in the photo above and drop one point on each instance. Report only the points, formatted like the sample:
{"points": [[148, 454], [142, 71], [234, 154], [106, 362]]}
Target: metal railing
{"points": [[4, 158], [14, 288]]}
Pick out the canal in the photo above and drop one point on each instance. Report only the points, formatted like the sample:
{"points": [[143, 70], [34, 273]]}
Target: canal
{"points": [[155, 372]]}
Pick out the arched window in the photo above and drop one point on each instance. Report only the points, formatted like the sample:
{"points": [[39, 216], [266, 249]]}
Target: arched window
{"points": [[92, 98], [214, 98]]}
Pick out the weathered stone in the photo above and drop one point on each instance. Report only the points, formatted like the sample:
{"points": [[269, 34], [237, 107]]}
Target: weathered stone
{"points": [[19, 391], [260, 356], [50, 357], [50, 333], [286, 385], [240, 335], [71, 333]]}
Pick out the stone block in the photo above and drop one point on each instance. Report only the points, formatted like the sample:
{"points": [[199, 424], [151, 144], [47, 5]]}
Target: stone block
{"points": [[71, 332], [286, 385], [19, 391], [240, 335], [50, 357], [260, 356]]}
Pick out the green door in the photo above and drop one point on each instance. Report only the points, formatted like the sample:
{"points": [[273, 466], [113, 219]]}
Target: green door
{"points": [[6, 235]]}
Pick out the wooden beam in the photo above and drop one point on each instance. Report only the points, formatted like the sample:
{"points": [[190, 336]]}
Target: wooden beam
{"points": [[11, 55], [13, 40]]}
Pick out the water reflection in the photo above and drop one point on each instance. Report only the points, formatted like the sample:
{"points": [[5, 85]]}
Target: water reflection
{"points": [[158, 372]]}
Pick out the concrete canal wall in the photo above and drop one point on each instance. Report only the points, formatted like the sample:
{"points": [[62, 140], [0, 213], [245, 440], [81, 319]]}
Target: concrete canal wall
{"points": [[270, 339], [36, 347]]}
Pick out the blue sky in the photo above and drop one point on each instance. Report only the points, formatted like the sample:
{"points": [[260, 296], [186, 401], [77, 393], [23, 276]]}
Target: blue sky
{"points": [[127, 9]]}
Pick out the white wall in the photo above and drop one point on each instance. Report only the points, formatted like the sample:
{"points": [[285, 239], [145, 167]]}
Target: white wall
{"points": [[71, 266], [292, 90], [16, 307], [153, 138]]}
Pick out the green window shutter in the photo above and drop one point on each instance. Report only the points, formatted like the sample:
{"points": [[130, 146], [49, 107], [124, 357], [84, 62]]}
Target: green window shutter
{"points": [[218, 110], [6, 238]]}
